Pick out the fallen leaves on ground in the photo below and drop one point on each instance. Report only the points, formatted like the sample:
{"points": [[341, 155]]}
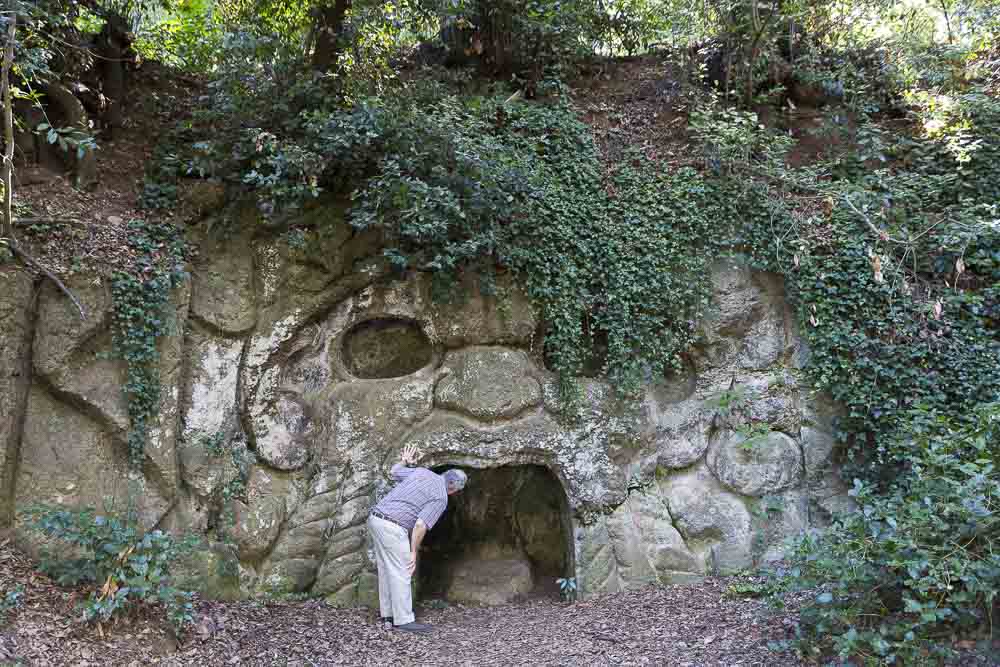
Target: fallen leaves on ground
{"points": [[676, 625]]}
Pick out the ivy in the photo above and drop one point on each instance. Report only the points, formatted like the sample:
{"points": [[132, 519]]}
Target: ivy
{"points": [[918, 561], [141, 316], [894, 281], [456, 184], [895, 285]]}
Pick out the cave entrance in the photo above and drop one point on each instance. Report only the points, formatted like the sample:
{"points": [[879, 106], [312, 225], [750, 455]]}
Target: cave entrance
{"points": [[505, 538]]}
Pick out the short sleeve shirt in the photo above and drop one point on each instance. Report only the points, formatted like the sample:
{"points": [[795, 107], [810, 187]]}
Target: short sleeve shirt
{"points": [[420, 494]]}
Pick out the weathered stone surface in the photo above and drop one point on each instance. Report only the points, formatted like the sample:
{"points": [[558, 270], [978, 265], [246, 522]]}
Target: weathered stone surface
{"points": [[282, 430], [386, 348], [746, 326], [222, 291], [677, 430], [165, 429], [67, 459], [766, 341], [679, 448], [270, 359], [508, 318], [61, 331], [210, 419], [647, 547], [289, 575], [92, 380], [488, 383], [764, 464], [490, 582], [346, 558], [636, 545], [818, 441], [210, 404], [188, 514], [676, 386], [271, 400], [204, 468], [715, 523], [596, 568], [289, 294], [213, 570], [776, 520], [294, 561], [364, 422], [817, 449], [577, 457], [16, 330], [255, 524]]}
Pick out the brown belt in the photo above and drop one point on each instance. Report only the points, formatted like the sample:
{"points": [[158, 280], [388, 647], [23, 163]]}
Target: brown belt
{"points": [[390, 520]]}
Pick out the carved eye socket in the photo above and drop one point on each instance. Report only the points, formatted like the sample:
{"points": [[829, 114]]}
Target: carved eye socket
{"points": [[386, 348]]}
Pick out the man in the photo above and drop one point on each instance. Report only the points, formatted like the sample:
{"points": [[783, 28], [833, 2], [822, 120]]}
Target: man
{"points": [[397, 526]]}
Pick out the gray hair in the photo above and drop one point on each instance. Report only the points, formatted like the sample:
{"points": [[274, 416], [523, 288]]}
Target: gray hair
{"points": [[455, 479]]}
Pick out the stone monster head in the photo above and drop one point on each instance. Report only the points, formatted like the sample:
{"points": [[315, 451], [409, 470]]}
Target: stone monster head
{"points": [[388, 366]]}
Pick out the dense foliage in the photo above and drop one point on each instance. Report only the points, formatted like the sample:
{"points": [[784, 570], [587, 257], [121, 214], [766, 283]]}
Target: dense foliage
{"points": [[918, 562], [463, 184], [895, 280], [123, 567]]}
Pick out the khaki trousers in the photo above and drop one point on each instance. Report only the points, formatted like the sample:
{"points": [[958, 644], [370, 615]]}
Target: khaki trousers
{"points": [[392, 556]]}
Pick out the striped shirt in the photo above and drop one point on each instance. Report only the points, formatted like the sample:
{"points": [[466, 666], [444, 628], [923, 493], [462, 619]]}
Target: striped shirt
{"points": [[421, 494]]}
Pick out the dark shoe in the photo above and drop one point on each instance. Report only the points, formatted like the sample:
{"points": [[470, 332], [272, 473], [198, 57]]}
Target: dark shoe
{"points": [[416, 628]]}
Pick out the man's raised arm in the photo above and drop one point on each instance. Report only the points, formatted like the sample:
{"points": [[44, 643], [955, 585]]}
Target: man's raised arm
{"points": [[401, 470]]}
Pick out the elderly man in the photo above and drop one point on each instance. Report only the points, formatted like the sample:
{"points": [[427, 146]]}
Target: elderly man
{"points": [[397, 526]]}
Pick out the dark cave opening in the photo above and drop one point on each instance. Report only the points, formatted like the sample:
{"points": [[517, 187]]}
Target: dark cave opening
{"points": [[505, 538]]}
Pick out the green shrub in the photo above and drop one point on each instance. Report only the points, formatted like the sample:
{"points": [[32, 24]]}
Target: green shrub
{"points": [[10, 601], [914, 565], [122, 567]]}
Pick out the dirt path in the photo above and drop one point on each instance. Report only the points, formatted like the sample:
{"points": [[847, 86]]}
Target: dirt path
{"points": [[678, 626]]}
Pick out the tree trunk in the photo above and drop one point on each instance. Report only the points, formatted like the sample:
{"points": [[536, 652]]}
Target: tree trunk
{"points": [[114, 45], [329, 23], [67, 111], [7, 224]]}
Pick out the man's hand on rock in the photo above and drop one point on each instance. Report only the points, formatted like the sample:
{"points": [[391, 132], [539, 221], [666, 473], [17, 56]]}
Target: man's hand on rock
{"points": [[410, 455]]}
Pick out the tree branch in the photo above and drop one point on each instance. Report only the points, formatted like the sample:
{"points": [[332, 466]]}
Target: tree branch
{"points": [[31, 261], [20, 222]]}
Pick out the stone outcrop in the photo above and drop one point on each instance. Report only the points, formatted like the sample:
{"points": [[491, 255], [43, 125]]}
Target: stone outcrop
{"points": [[292, 379], [490, 582], [17, 321]]}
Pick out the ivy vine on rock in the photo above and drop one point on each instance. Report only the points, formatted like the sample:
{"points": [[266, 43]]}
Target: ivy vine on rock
{"points": [[141, 300]]}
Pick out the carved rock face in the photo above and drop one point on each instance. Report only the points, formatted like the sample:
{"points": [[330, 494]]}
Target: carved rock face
{"points": [[285, 405]]}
